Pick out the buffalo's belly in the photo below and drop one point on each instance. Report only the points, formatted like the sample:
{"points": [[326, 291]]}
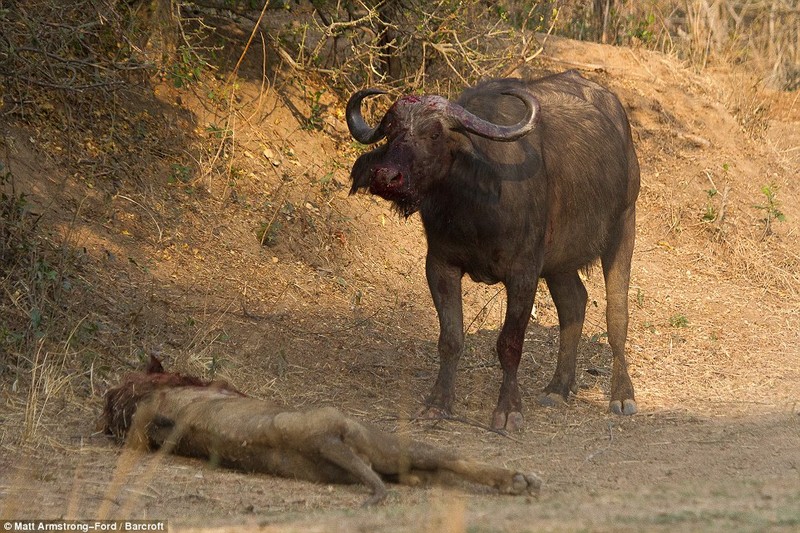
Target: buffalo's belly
{"points": [[497, 263], [570, 255], [498, 267], [482, 276], [577, 242], [569, 248]]}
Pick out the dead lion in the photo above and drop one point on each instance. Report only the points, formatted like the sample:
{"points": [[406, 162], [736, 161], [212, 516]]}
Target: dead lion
{"points": [[187, 416]]}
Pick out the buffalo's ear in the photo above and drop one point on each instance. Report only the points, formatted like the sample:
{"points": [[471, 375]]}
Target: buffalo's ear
{"points": [[361, 175]]}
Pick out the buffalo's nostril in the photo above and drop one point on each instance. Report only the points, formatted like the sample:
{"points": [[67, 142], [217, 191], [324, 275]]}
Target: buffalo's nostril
{"points": [[387, 178]]}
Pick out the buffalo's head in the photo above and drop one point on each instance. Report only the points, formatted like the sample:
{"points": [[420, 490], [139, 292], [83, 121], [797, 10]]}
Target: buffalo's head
{"points": [[423, 134]]}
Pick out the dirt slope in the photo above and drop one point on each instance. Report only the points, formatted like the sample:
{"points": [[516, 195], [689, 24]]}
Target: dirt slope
{"points": [[333, 310]]}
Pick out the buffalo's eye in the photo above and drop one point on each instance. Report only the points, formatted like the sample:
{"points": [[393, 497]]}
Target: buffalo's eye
{"points": [[435, 135]]}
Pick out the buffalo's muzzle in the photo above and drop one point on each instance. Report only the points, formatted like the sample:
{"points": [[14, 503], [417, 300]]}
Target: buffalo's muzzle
{"points": [[386, 182]]}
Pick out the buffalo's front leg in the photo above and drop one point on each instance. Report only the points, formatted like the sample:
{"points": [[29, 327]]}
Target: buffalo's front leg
{"points": [[520, 295], [444, 281]]}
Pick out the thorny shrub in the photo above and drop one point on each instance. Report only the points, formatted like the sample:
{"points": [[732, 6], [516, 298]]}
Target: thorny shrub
{"points": [[412, 43]]}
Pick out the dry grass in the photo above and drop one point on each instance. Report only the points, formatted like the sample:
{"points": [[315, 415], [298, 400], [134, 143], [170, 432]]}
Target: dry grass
{"points": [[759, 37]]}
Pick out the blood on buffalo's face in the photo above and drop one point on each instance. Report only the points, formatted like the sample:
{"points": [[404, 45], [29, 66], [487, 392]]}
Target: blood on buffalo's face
{"points": [[421, 136], [416, 155]]}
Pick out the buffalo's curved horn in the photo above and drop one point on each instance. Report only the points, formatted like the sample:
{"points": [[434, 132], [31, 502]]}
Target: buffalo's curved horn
{"points": [[360, 130], [496, 132]]}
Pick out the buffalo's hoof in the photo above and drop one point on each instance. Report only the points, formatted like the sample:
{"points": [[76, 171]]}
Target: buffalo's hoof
{"points": [[510, 422], [551, 399], [624, 407]]}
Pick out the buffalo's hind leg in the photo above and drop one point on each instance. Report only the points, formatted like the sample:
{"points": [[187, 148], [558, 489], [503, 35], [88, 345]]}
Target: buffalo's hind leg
{"points": [[617, 272], [569, 296]]}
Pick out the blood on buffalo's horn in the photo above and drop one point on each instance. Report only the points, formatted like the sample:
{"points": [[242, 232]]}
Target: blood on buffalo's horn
{"points": [[366, 134]]}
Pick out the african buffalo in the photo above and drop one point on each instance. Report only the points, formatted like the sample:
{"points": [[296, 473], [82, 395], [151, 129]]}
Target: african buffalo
{"points": [[516, 180]]}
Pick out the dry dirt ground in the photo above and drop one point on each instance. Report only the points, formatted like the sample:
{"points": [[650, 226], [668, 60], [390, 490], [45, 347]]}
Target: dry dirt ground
{"points": [[332, 309]]}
